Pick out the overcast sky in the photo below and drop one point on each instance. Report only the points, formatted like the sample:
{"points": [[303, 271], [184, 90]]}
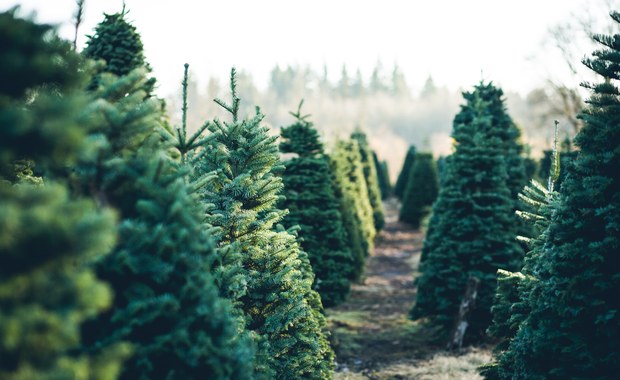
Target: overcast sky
{"points": [[457, 42]]}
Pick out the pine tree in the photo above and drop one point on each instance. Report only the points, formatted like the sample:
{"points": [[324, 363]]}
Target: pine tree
{"points": [[355, 206], [372, 182], [421, 190], [119, 44], [574, 302], [473, 230], [403, 177], [278, 302], [383, 176], [166, 303], [46, 234], [311, 200]]}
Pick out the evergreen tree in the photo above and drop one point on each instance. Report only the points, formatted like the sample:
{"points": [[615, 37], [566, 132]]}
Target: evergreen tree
{"points": [[355, 206], [370, 175], [119, 44], [403, 177], [473, 229], [383, 176], [421, 190], [166, 303], [46, 235], [311, 200], [573, 304], [277, 300]]}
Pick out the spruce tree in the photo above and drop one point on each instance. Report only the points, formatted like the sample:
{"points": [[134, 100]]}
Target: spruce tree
{"points": [[119, 44], [46, 234], [473, 229], [403, 177], [421, 190], [166, 303], [573, 304], [372, 182], [383, 176], [311, 200], [276, 297], [355, 206]]}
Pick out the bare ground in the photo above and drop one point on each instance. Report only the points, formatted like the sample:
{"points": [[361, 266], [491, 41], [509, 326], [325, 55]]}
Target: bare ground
{"points": [[371, 334]]}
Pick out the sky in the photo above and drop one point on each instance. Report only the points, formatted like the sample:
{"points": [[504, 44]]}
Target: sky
{"points": [[457, 42]]}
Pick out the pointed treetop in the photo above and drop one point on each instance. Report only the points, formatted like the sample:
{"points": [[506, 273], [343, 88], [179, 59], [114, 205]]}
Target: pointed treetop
{"points": [[233, 108]]}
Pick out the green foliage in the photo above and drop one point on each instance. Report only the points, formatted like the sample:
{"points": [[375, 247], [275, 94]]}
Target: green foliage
{"points": [[119, 44], [355, 206], [421, 190], [403, 177], [383, 176], [46, 235], [372, 182], [311, 200], [166, 303], [573, 304], [473, 228], [275, 296]]}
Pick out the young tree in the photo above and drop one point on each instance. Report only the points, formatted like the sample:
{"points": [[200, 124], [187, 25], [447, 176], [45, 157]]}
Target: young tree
{"points": [[573, 305], [383, 176], [119, 44], [46, 234], [355, 206], [166, 304], [421, 190], [473, 229], [370, 175], [311, 200], [276, 297], [403, 177]]}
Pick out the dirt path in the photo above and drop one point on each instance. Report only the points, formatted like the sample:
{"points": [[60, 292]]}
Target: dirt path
{"points": [[371, 334]]}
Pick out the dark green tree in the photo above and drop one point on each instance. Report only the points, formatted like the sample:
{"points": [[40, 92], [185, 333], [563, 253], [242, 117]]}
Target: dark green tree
{"points": [[166, 304], [573, 304], [311, 200], [403, 177], [472, 232], [355, 206], [119, 44], [372, 182], [383, 176], [276, 297], [421, 190], [46, 234]]}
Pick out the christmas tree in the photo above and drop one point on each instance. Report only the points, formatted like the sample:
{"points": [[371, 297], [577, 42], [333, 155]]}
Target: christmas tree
{"points": [[403, 177], [166, 304], [473, 228], [372, 182], [46, 234], [421, 190], [383, 176], [311, 200], [276, 296]]}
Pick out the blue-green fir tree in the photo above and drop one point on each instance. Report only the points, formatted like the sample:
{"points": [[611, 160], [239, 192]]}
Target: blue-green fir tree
{"points": [[403, 176], [47, 235], [472, 232], [311, 200], [167, 304], [383, 176], [276, 297], [572, 328], [370, 175], [421, 191]]}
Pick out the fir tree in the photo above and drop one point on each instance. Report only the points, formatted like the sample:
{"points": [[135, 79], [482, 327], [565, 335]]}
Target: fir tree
{"points": [[370, 174], [46, 234], [312, 204], [166, 303], [403, 177], [119, 44], [355, 206], [421, 190], [383, 176], [277, 300], [473, 230], [573, 304]]}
